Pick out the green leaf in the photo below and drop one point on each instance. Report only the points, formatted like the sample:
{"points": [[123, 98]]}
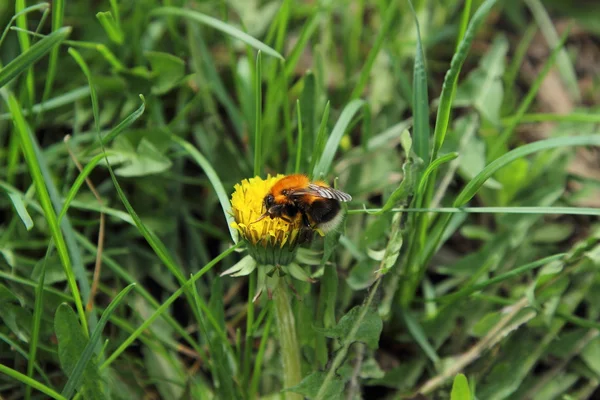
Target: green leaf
{"points": [[446, 98], [420, 98], [416, 330], [81, 367], [26, 59], [258, 116], [368, 331], [4, 370], [144, 160], [111, 27], [310, 385], [591, 355], [6, 295], [460, 388], [473, 186], [167, 70], [322, 167], [21, 210], [390, 15], [37, 319], [394, 245], [219, 25], [483, 87], [411, 169], [36, 168], [71, 344], [215, 181]]}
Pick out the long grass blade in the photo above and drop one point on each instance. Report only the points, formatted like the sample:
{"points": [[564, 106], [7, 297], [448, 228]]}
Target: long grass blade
{"points": [[420, 98], [219, 25], [445, 105], [24, 60], [215, 181], [258, 132], [75, 378], [300, 141], [25, 137], [58, 14], [37, 320], [475, 184], [365, 73], [165, 306], [30, 382], [333, 142]]}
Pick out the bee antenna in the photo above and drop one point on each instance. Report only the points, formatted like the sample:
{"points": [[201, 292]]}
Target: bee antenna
{"points": [[265, 215]]}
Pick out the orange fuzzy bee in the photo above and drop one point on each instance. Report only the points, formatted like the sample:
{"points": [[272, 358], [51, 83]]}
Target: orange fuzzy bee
{"points": [[317, 203]]}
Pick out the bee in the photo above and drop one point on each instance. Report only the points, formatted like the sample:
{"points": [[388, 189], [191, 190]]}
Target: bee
{"points": [[317, 203]]}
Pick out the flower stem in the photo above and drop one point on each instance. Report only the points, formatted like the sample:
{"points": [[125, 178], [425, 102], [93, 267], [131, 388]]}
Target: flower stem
{"points": [[290, 352]]}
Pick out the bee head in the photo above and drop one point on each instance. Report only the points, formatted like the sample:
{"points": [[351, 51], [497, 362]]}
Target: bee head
{"points": [[269, 201]]}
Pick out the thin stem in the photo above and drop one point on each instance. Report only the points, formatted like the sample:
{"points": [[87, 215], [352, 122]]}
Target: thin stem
{"points": [[290, 352]]}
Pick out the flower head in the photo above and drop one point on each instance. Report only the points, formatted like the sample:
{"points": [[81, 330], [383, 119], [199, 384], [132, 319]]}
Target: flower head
{"points": [[270, 240], [273, 243]]}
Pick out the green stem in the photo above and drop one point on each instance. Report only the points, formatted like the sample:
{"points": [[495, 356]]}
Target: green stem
{"points": [[290, 352]]}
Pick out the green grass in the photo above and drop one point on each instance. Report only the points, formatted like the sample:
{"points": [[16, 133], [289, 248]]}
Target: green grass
{"points": [[467, 263]]}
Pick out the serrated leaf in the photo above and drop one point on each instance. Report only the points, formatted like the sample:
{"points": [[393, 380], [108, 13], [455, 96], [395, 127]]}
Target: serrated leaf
{"points": [[310, 385], [460, 388], [483, 87], [145, 160], [411, 169], [392, 250], [167, 70], [71, 344], [368, 331]]}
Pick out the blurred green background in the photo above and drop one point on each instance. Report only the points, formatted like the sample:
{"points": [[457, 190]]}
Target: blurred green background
{"points": [[494, 106]]}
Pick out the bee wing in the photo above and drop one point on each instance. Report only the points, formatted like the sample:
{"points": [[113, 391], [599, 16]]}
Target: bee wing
{"points": [[324, 192]]}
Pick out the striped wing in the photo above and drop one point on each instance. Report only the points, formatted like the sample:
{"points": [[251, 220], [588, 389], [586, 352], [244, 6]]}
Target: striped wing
{"points": [[324, 192]]}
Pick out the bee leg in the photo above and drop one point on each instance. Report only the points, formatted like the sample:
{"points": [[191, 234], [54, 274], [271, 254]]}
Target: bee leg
{"points": [[306, 221], [286, 219]]}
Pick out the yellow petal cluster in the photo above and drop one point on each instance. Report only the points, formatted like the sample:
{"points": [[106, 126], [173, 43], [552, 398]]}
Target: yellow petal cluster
{"points": [[247, 205]]}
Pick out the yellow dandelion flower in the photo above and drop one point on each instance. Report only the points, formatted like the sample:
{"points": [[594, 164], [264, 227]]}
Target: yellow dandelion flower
{"points": [[270, 241]]}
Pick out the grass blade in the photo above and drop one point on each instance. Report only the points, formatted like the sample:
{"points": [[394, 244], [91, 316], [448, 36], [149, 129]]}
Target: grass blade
{"points": [[299, 143], [37, 319], [214, 181], [420, 98], [390, 18], [21, 210], [320, 141], [219, 25], [42, 7], [165, 306], [563, 63], [490, 210], [58, 14], [25, 43], [500, 142], [258, 133], [30, 382], [25, 137], [418, 334], [445, 105], [126, 123], [333, 142], [475, 184], [29, 57], [86, 355]]}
